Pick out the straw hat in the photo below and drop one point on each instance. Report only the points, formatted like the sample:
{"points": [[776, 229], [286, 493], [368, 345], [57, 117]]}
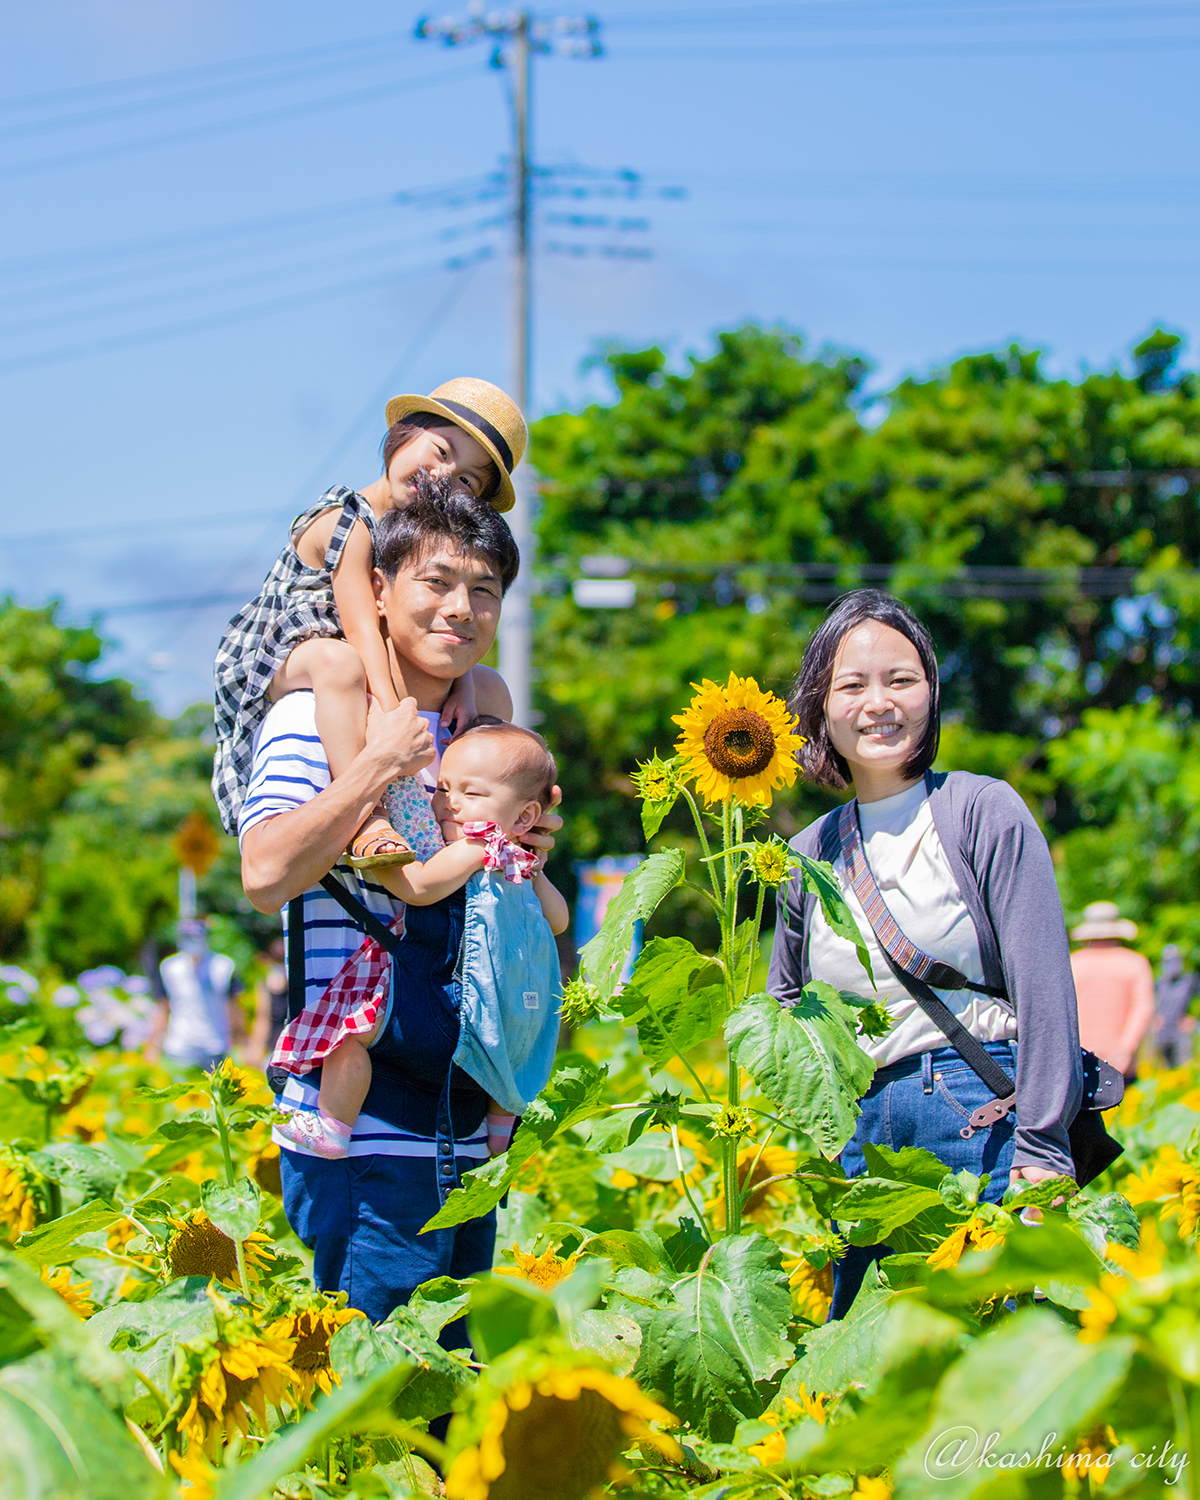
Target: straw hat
{"points": [[1103, 919], [483, 410]]}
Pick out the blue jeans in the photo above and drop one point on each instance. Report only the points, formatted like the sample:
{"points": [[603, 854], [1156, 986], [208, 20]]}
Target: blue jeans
{"points": [[926, 1100], [361, 1218]]}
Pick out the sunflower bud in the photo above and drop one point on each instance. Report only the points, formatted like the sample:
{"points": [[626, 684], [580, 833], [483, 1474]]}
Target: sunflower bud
{"points": [[874, 1019], [733, 1121], [771, 863], [658, 780], [581, 1002]]}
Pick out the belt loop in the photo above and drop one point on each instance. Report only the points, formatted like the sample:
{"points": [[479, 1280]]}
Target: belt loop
{"points": [[927, 1072]]}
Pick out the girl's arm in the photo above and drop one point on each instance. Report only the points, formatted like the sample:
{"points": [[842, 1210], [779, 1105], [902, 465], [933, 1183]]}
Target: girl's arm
{"points": [[554, 907], [355, 600], [443, 873]]}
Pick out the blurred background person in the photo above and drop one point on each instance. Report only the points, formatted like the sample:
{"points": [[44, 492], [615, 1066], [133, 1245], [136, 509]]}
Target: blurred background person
{"points": [[1114, 987], [1173, 994], [200, 1020], [270, 1007]]}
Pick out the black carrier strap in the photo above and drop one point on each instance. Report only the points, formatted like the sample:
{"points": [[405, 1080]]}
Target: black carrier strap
{"points": [[357, 913]]}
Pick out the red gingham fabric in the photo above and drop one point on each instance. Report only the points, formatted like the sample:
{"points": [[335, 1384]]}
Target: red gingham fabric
{"points": [[500, 853], [349, 1007]]}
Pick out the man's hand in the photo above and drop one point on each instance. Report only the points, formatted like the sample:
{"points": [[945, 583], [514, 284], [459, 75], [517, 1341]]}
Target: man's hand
{"points": [[1033, 1174], [541, 836], [399, 740]]}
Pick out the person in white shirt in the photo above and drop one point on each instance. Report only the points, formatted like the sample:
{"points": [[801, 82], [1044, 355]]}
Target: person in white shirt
{"points": [[200, 1020]]}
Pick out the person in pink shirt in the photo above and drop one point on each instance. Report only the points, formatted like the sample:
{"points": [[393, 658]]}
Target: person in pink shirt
{"points": [[1114, 987]]}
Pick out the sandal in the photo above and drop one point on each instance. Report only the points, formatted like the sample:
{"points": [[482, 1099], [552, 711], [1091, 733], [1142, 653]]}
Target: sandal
{"points": [[364, 854]]}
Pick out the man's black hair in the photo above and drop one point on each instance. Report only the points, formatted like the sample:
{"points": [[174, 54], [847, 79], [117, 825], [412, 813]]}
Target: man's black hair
{"points": [[439, 512], [820, 760]]}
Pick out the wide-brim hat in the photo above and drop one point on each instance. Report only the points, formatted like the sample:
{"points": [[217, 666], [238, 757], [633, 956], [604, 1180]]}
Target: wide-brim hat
{"points": [[487, 413], [1103, 919]]}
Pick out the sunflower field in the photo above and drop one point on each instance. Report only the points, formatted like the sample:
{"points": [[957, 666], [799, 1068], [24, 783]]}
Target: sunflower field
{"points": [[670, 1212]]}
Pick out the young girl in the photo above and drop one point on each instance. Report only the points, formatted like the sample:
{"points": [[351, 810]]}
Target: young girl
{"points": [[493, 783], [314, 626]]}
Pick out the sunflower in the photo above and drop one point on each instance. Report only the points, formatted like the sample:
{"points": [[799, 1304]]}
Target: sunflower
{"points": [[754, 1168], [1168, 1177], [879, 1488], [76, 1295], [310, 1329], [545, 1270], [975, 1235], [556, 1435], [737, 742], [22, 1193], [263, 1166], [219, 1387], [812, 1287], [198, 1248], [196, 1476], [1090, 1456]]}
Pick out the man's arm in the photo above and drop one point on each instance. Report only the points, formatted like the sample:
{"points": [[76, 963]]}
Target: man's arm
{"points": [[285, 855], [1141, 1013]]}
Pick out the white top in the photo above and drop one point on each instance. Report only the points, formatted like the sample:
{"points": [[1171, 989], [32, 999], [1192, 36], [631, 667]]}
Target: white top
{"points": [[914, 877], [199, 1000]]}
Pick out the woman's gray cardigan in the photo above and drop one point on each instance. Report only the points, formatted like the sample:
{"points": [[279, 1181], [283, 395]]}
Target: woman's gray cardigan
{"points": [[1002, 867]]}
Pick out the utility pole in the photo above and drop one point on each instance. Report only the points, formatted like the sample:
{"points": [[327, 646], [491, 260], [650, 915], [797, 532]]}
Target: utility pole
{"points": [[516, 35]]}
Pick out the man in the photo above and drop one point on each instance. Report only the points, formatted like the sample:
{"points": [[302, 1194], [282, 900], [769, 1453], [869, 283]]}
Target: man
{"points": [[443, 566], [1113, 985], [1173, 993], [200, 1019]]}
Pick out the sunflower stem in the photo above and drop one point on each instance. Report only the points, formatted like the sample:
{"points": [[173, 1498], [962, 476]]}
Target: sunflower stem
{"points": [[683, 1182], [699, 822], [729, 1172], [752, 948], [223, 1133]]}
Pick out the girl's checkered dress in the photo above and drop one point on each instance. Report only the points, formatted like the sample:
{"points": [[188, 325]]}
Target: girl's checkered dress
{"points": [[295, 604]]}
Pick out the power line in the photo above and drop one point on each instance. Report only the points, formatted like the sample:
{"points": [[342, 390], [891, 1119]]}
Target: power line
{"points": [[345, 99], [851, 51], [208, 321]]}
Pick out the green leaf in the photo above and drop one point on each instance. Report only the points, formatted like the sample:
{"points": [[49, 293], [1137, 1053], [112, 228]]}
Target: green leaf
{"points": [[175, 1139], [234, 1209], [1110, 1219], [54, 1244], [910, 1164], [1027, 1379], [88, 1170], [355, 1406], [504, 1313], [685, 1249], [653, 1157], [884, 1206], [1021, 1194], [641, 891], [58, 1439], [806, 1060], [624, 1247], [614, 1336], [575, 1093], [675, 997], [723, 1336], [959, 1191], [653, 814], [358, 1349], [821, 881], [438, 1302], [844, 1353], [149, 1330], [58, 1329]]}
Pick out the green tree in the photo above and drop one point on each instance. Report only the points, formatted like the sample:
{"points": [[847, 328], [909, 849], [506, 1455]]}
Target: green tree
{"points": [[56, 719]]}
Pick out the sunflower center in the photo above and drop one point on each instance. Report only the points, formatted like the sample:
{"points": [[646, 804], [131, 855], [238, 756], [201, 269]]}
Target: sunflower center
{"points": [[739, 743]]}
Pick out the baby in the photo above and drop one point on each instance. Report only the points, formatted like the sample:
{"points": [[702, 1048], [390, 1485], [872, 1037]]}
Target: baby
{"points": [[493, 783], [315, 626]]}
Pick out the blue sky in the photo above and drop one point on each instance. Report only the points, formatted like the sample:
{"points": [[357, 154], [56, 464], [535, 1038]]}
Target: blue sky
{"points": [[209, 284]]}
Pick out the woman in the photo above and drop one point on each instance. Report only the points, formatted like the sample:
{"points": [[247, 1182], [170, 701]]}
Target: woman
{"points": [[965, 873]]}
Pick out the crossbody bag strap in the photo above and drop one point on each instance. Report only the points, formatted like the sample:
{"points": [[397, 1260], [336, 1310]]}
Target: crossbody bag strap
{"points": [[900, 953], [359, 914], [295, 956]]}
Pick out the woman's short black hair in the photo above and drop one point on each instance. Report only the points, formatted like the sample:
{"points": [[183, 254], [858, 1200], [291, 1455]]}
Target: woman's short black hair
{"points": [[439, 512], [821, 762]]}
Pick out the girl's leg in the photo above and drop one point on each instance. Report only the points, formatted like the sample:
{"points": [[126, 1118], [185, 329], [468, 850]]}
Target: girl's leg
{"points": [[499, 1128], [345, 1079], [333, 672]]}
